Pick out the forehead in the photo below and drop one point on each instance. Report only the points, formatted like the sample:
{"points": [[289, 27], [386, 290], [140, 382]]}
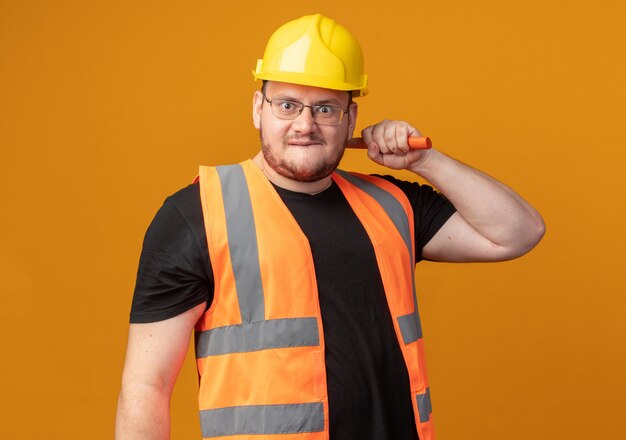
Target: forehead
{"points": [[306, 94]]}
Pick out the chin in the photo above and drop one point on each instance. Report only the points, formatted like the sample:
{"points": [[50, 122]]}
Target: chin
{"points": [[301, 169], [303, 173]]}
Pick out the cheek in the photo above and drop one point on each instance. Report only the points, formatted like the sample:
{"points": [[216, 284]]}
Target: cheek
{"points": [[338, 138], [272, 131]]}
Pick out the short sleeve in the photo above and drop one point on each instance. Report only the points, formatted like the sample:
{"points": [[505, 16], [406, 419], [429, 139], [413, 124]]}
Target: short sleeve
{"points": [[431, 210], [174, 273]]}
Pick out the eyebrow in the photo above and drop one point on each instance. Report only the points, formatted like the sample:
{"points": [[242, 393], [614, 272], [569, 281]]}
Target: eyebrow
{"points": [[329, 101]]}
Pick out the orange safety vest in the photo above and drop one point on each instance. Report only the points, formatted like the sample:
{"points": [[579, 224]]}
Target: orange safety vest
{"points": [[260, 345]]}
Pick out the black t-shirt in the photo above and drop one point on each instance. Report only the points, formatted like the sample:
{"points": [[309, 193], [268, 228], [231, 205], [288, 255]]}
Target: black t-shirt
{"points": [[368, 385]]}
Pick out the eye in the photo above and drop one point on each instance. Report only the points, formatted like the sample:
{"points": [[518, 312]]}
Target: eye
{"points": [[286, 106], [326, 110]]}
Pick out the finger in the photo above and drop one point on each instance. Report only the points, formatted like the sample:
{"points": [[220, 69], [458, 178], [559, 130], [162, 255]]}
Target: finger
{"points": [[402, 138], [366, 134], [379, 135], [412, 131], [368, 137], [391, 137], [373, 152]]}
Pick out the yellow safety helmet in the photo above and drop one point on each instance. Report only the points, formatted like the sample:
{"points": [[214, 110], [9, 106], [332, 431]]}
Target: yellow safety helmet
{"points": [[314, 51]]}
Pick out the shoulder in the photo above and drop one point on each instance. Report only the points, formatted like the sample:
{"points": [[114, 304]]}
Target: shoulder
{"points": [[179, 220], [184, 204], [186, 199], [410, 189], [418, 194]]}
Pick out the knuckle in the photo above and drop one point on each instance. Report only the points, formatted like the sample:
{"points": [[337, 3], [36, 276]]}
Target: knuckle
{"points": [[389, 137]]}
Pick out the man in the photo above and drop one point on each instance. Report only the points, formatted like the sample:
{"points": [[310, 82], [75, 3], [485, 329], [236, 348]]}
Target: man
{"points": [[297, 277]]}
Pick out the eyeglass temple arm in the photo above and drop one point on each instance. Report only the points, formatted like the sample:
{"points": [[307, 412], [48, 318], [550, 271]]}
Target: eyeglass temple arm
{"points": [[415, 143]]}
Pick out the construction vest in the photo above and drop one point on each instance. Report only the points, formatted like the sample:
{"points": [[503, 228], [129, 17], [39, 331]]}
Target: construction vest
{"points": [[260, 345]]}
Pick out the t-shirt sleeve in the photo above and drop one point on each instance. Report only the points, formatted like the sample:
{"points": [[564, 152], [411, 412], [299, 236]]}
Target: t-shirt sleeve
{"points": [[174, 273], [431, 210]]}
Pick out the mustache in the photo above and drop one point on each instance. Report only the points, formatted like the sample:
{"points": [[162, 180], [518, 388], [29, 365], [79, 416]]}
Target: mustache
{"points": [[309, 138]]}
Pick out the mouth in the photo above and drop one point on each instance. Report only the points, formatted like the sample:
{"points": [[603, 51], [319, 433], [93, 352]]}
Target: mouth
{"points": [[304, 143]]}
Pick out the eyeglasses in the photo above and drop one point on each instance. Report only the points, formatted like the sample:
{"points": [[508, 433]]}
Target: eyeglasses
{"points": [[322, 114]]}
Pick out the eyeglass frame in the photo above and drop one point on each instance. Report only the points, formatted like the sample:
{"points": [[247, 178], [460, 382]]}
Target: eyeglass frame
{"points": [[312, 107]]}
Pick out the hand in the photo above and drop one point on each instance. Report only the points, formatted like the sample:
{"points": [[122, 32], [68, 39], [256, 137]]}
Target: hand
{"points": [[387, 144]]}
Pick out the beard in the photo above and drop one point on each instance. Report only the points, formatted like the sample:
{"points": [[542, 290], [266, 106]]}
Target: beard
{"points": [[302, 170]]}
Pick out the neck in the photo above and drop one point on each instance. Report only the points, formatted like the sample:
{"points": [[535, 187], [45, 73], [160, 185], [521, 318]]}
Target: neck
{"points": [[289, 184]]}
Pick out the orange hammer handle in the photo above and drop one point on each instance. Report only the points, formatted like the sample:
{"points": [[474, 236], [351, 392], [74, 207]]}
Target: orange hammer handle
{"points": [[415, 143]]}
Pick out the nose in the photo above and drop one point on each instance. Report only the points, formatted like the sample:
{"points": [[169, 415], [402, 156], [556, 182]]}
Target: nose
{"points": [[305, 122]]}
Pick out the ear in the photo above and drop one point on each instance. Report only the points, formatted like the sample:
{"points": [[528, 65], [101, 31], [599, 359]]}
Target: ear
{"points": [[257, 105], [352, 114]]}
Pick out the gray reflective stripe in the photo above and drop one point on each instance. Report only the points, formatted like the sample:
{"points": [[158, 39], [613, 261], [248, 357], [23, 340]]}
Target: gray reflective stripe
{"points": [[390, 204], [242, 242], [424, 406], [410, 327], [262, 335], [262, 419]]}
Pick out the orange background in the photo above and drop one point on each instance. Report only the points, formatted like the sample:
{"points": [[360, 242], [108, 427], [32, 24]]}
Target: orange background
{"points": [[108, 107]]}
